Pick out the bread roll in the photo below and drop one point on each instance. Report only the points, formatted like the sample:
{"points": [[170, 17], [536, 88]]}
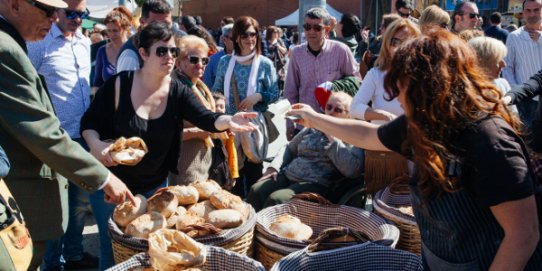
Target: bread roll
{"points": [[125, 212], [185, 194], [145, 224], [128, 151], [188, 219], [290, 227], [201, 209], [206, 188], [172, 220], [171, 250], [163, 202], [225, 218]]}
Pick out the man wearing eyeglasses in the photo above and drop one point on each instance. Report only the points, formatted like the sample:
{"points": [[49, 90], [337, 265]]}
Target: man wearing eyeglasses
{"points": [[524, 56], [63, 58], [41, 153], [404, 9], [226, 39], [465, 16], [316, 61]]}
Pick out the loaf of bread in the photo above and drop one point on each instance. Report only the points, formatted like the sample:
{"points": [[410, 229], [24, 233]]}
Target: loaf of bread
{"points": [[172, 250], [288, 226], [185, 194], [125, 212], [128, 151], [172, 220], [163, 202], [142, 226], [226, 200], [201, 209], [188, 219], [225, 218], [206, 188]]}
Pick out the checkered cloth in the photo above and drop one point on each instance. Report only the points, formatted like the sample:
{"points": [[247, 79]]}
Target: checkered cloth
{"points": [[320, 217], [217, 259], [225, 236], [366, 256], [388, 203]]}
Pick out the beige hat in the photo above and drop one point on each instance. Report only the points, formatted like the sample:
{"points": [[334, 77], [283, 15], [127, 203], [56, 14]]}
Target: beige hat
{"points": [[53, 3]]}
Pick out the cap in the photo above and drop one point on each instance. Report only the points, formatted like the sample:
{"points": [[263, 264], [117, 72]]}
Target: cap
{"points": [[53, 3]]}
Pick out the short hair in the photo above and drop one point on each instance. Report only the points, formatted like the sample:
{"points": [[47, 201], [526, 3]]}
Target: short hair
{"points": [[388, 19], [318, 13], [226, 29], [228, 20], [121, 17], [433, 15], [188, 22], [155, 6], [218, 96], [383, 62], [190, 42], [270, 30], [495, 18], [199, 20], [525, 1], [152, 33], [351, 24], [402, 4], [458, 10], [469, 34], [489, 50], [201, 32], [240, 26]]}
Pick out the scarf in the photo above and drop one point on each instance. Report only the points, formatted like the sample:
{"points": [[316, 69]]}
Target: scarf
{"points": [[251, 88]]}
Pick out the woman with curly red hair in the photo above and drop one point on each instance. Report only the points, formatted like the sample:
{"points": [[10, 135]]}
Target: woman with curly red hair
{"points": [[476, 201]]}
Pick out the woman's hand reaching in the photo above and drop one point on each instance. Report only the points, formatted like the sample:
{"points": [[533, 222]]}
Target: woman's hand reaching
{"points": [[249, 102], [100, 150], [240, 122]]}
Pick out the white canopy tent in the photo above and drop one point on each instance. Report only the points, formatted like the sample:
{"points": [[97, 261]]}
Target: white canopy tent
{"points": [[293, 18], [99, 8]]}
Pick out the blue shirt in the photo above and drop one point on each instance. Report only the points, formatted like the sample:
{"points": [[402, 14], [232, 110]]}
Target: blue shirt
{"points": [[65, 64], [210, 71]]}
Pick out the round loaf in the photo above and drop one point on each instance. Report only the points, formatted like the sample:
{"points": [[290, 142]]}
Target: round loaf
{"points": [[163, 202], [201, 209], [128, 151], [125, 212], [188, 219], [142, 226], [171, 250], [226, 200], [291, 227], [185, 194], [225, 218], [206, 188], [172, 220]]}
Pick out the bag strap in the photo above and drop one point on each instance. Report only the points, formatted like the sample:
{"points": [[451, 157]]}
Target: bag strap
{"points": [[312, 197], [337, 237]]}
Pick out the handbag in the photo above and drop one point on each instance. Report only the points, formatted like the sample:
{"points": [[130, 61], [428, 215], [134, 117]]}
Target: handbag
{"points": [[15, 242]]}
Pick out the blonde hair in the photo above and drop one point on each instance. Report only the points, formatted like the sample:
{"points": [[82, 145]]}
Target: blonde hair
{"points": [[383, 62], [191, 42], [489, 51], [433, 15], [469, 34]]}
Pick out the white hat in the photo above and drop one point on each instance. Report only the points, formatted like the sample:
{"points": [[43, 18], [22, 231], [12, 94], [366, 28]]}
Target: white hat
{"points": [[53, 3]]}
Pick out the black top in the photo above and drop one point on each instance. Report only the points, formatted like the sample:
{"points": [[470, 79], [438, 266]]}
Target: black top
{"points": [[162, 134], [459, 228], [497, 32]]}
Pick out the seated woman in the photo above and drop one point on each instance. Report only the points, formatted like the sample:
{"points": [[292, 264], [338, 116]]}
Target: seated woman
{"points": [[309, 163]]}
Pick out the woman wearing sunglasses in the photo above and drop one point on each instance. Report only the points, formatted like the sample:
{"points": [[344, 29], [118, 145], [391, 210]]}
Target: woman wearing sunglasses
{"points": [[148, 104], [311, 162], [249, 82]]}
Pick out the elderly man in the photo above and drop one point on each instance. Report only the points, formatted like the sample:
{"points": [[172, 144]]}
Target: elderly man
{"points": [[42, 155]]}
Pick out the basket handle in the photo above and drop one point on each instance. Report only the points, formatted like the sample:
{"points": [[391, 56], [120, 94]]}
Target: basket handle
{"points": [[337, 237], [312, 197], [207, 227]]}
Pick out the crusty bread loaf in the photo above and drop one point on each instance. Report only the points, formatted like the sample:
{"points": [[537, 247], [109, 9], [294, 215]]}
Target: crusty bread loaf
{"points": [[163, 202], [185, 194], [172, 220], [225, 218], [128, 151], [226, 200], [142, 226], [188, 219], [206, 188], [171, 250], [125, 212], [201, 209], [291, 227]]}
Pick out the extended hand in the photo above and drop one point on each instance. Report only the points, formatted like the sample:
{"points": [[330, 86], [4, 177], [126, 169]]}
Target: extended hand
{"points": [[385, 115], [116, 191], [269, 174], [240, 122], [304, 111]]}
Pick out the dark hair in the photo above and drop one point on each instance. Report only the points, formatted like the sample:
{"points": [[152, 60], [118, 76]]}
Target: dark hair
{"points": [[155, 6], [318, 13], [201, 32], [495, 18], [351, 24], [240, 26], [153, 32], [270, 30], [458, 10], [295, 38], [199, 20], [387, 19], [402, 4], [228, 20], [188, 22], [218, 96]]}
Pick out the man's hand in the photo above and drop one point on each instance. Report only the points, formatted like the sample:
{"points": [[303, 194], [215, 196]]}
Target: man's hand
{"points": [[269, 174], [116, 192]]}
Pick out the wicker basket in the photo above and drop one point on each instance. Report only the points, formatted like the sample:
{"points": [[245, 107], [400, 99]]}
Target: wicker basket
{"points": [[386, 205], [271, 248], [217, 259], [237, 239]]}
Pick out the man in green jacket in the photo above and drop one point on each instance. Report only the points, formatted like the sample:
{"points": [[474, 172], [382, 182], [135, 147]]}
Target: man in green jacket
{"points": [[42, 155]]}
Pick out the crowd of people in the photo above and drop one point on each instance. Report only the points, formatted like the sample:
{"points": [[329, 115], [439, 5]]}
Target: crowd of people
{"points": [[436, 98]]}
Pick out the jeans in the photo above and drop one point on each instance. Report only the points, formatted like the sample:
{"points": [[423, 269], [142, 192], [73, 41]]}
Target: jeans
{"points": [[102, 213], [70, 246]]}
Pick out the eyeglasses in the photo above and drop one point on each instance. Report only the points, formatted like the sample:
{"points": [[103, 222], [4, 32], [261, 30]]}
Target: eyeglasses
{"points": [[394, 42], [315, 27], [336, 109], [73, 14], [162, 51], [49, 11], [195, 60], [471, 15], [404, 15], [248, 34]]}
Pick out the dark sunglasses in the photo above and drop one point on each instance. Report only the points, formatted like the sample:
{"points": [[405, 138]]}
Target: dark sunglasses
{"points": [[195, 60], [404, 15], [315, 27], [338, 110], [73, 14], [472, 15], [248, 34], [395, 42], [162, 51], [49, 11]]}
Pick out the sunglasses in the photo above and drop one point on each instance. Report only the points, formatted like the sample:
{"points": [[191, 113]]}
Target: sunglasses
{"points": [[248, 34], [195, 60], [404, 15], [336, 109], [472, 15], [315, 27], [394, 42], [49, 11], [73, 14], [162, 51]]}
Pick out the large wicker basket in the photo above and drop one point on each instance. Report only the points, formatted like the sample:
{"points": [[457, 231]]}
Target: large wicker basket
{"points": [[393, 206], [217, 259], [237, 239], [270, 248]]}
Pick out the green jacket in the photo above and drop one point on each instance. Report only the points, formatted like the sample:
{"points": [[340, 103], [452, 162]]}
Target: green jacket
{"points": [[42, 155]]}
